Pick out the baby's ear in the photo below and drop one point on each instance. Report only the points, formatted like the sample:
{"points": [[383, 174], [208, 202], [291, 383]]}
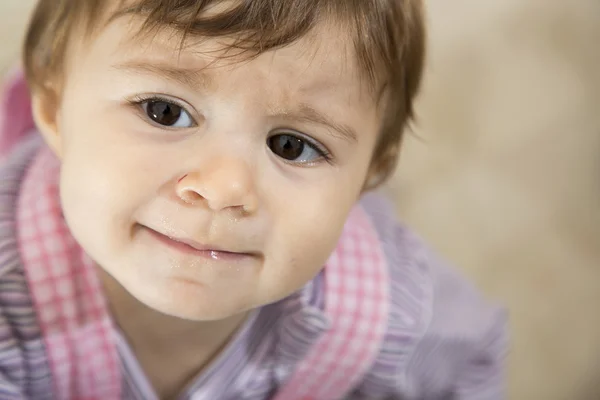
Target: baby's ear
{"points": [[45, 105], [382, 167]]}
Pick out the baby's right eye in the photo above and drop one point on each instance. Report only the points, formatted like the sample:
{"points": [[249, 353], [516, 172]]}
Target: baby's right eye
{"points": [[166, 113]]}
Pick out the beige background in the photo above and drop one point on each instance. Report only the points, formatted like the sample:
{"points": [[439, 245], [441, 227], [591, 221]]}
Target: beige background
{"points": [[502, 174]]}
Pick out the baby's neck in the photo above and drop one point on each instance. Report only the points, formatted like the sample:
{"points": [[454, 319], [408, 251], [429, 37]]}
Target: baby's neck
{"points": [[170, 350]]}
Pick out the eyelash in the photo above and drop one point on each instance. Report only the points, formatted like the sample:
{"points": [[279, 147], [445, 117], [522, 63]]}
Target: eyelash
{"points": [[139, 100]]}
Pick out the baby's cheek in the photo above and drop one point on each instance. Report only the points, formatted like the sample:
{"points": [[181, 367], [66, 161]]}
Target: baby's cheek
{"points": [[92, 199], [312, 245]]}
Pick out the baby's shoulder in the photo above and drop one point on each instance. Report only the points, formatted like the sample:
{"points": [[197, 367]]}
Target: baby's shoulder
{"points": [[439, 295], [436, 314], [13, 168], [22, 366]]}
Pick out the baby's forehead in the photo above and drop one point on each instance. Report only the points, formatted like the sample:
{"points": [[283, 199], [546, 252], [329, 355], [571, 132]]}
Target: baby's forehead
{"points": [[320, 60], [313, 37]]}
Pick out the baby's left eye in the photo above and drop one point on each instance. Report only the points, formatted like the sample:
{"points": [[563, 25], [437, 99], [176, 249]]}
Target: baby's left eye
{"points": [[167, 113], [295, 149]]}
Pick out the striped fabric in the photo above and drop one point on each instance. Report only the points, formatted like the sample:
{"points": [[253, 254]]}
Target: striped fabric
{"points": [[24, 373], [442, 340]]}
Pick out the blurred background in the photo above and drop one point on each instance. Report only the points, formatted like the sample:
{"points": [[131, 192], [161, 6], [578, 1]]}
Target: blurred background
{"points": [[502, 173]]}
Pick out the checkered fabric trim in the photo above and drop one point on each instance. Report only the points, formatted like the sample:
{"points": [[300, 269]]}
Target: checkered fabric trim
{"points": [[357, 304], [67, 294]]}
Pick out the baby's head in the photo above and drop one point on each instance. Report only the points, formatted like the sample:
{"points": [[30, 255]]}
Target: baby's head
{"points": [[211, 150]]}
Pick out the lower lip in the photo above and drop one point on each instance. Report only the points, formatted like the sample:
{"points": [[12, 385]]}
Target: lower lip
{"points": [[187, 249]]}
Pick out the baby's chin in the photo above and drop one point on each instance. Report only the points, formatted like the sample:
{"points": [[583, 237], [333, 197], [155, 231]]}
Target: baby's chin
{"points": [[191, 301]]}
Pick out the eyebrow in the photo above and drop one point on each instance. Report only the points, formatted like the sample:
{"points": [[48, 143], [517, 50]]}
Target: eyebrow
{"points": [[307, 113], [189, 77]]}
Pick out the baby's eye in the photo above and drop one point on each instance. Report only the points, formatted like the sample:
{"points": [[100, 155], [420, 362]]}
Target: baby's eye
{"points": [[295, 149], [167, 113]]}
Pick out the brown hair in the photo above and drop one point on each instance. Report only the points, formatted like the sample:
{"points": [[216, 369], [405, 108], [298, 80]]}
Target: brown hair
{"points": [[388, 39]]}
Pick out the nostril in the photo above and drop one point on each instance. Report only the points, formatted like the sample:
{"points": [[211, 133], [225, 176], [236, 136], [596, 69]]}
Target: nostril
{"points": [[190, 196]]}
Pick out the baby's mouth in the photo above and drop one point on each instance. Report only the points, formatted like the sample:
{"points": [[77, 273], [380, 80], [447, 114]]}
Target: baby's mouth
{"points": [[193, 247]]}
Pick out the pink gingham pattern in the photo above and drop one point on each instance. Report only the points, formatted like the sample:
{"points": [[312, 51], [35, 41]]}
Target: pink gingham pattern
{"points": [[66, 292], [356, 302]]}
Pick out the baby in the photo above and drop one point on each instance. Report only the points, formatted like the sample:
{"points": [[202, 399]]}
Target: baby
{"points": [[192, 216]]}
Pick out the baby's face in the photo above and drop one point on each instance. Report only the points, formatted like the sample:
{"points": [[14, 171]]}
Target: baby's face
{"points": [[205, 186]]}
